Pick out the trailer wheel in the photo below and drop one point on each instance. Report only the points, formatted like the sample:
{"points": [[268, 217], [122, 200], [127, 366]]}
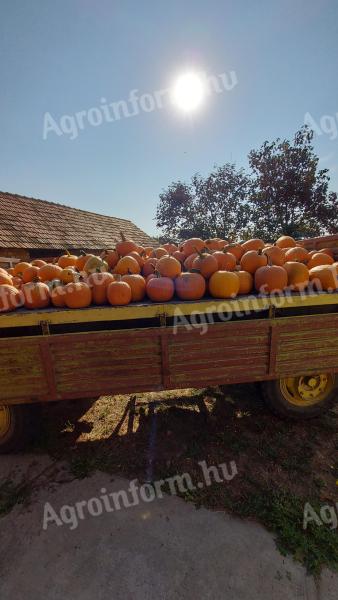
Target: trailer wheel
{"points": [[301, 397], [18, 423]]}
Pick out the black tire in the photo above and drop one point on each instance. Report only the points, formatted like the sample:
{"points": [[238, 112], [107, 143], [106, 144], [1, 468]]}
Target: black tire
{"points": [[23, 424], [282, 407]]}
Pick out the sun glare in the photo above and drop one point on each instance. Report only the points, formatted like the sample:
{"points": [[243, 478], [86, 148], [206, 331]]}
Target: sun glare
{"points": [[188, 92]]}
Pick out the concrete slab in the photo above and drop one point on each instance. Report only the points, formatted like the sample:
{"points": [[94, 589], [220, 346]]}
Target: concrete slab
{"points": [[163, 549]]}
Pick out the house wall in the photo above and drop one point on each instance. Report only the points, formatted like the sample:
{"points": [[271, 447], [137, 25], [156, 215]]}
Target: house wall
{"points": [[15, 253]]}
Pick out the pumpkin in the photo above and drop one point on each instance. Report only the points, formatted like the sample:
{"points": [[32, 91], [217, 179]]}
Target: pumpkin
{"points": [[170, 248], [149, 266], [137, 285], [318, 259], [111, 257], [159, 252], [99, 282], [335, 264], [137, 257], [192, 245], [275, 255], [17, 282], [82, 259], [253, 244], [246, 282], [253, 260], [188, 262], [78, 295], [168, 266], [226, 261], [297, 253], [127, 264], [125, 246], [20, 267], [49, 272], [286, 241], [95, 264], [10, 298], [224, 284], [67, 260], [140, 249], [5, 278], [324, 277], [69, 275], [147, 251], [328, 251], [36, 294], [190, 286], [206, 264], [160, 289], [58, 296], [179, 256], [271, 278], [37, 262], [9, 271], [30, 273], [298, 275], [213, 244], [236, 249], [119, 293]]}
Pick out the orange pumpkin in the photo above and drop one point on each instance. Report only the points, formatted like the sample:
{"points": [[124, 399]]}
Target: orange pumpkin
{"points": [[192, 245], [206, 264], [324, 277], [137, 285], [17, 282], [298, 275], [275, 255], [125, 246], [224, 284], [37, 262], [10, 298], [67, 260], [188, 262], [253, 260], [328, 251], [78, 295], [236, 249], [297, 253], [253, 244], [226, 261], [58, 296], [5, 278], [119, 293], [271, 278], [126, 265], [168, 266], [159, 252], [318, 259], [149, 266], [170, 248], [335, 264], [137, 257], [148, 250], [179, 256], [190, 286], [69, 275], [99, 282], [160, 289], [286, 241], [111, 257], [213, 244], [246, 282], [9, 271], [30, 273], [36, 294], [20, 267], [82, 259], [49, 272]]}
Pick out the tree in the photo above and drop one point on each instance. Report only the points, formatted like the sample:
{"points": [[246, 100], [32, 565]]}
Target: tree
{"points": [[289, 194], [214, 206]]}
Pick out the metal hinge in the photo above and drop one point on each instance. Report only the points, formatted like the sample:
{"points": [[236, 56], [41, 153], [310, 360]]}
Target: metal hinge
{"points": [[163, 319]]}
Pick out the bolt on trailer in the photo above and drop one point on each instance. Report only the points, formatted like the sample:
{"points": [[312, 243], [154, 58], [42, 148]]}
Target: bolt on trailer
{"points": [[287, 343]]}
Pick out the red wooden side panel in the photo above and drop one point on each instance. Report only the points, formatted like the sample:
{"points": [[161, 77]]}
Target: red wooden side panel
{"points": [[307, 344], [227, 352]]}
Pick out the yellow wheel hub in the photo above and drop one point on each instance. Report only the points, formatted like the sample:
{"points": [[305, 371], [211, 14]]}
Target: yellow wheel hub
{"points": [[5, 421], [307, 390]]}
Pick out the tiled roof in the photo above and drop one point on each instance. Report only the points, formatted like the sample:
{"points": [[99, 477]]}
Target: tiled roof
{"points": [[32, 223]]}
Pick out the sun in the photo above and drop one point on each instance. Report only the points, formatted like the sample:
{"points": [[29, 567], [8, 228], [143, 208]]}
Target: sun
{"points": [[188, 92]]}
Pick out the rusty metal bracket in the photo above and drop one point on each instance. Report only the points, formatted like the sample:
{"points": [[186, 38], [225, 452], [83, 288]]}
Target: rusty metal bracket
{"points": [[272, 311], [45, 327]]}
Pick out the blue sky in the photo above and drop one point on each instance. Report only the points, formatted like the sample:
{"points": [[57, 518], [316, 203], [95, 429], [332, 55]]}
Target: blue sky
{"points": [[63, 57]]}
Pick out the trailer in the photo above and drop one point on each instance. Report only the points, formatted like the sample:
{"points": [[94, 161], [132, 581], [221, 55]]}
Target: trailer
{"points": [[288, 343]]}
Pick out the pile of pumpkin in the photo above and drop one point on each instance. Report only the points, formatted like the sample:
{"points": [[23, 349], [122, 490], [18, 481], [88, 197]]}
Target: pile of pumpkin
{"points": [[131, 273]]}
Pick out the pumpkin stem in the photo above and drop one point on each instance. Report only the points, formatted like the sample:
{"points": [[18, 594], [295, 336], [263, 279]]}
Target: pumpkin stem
{"points": [[123, 237]]}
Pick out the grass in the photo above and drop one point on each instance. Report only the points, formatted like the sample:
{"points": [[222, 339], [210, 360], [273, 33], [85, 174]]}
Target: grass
{"points": [[281, 465]]}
